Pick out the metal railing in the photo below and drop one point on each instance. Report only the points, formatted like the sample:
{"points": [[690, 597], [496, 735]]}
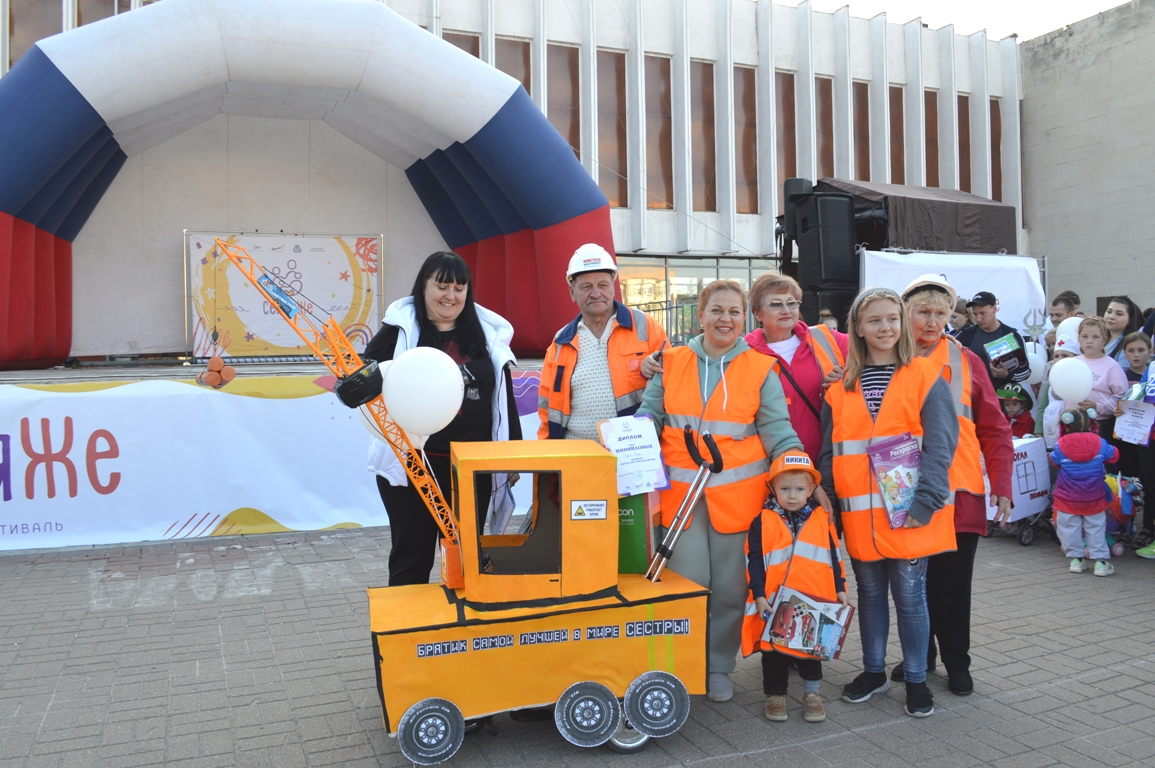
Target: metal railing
{"points": [[678, 317]]}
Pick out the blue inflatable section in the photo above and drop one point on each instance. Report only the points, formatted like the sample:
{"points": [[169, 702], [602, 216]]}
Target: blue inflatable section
{"points": [[55, 150]]}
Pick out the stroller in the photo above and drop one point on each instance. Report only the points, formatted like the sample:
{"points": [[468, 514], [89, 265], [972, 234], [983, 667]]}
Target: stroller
{"points": [[1124, 501]]}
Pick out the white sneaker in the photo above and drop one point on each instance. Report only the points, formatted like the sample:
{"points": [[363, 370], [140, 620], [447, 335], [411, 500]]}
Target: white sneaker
{"points": [[719, 687], [1077, 565], [1103, 568]]}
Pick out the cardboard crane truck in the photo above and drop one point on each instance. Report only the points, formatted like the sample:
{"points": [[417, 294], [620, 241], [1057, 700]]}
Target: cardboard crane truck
{"points": [[520, 620]]}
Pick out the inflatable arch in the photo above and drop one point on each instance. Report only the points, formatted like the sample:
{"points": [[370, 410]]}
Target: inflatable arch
{"points": [[501, 185]]}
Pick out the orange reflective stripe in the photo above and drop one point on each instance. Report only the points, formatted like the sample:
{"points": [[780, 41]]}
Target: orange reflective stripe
{"points": [[867, 531], [966, 471], [825, 348], [735, 496]]}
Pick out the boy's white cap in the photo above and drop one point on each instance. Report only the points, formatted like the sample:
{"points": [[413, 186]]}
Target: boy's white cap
{"points": [[1065, 343], [937, 282], [590, 257]]}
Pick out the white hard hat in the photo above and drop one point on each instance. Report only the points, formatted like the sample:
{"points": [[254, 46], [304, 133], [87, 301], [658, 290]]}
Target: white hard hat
{"points": [[936, 282], [590, 258]]}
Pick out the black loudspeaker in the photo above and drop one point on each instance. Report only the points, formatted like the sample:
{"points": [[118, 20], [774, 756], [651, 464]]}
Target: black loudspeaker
{"points": [[826, 239], [838, 301], [791, 188]]}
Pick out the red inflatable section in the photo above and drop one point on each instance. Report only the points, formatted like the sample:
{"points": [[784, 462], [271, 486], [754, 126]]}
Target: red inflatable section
{"points": [[522, 276], [35, 296]]}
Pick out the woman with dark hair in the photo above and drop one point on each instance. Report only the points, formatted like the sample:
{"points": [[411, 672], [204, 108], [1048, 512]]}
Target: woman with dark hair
{"points": [[1123, 317], [442, 314]]}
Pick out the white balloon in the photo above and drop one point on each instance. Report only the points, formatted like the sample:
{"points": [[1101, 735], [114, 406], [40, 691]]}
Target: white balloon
{"points": [[1069, 327], [1037, 362], [1032, 347], [423, 390], [1071, 380]]}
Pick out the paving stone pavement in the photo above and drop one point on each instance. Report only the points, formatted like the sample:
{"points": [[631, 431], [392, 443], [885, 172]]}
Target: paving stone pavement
{"points": [[254, 651]]}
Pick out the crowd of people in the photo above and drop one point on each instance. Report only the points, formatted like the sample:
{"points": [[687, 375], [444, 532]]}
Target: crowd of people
{"points": [[794, 411]]}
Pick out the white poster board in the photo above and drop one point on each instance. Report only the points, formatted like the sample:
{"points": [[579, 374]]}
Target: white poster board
{"points": [[1014, 280], [336, 275], [1031, 479]]}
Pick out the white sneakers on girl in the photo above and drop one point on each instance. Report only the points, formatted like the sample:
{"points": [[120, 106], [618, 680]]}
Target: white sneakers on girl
{"points": [[1103, 568]]}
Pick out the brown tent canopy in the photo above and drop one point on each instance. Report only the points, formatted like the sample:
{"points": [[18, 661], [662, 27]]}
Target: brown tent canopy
{"points": [[927, 218]]}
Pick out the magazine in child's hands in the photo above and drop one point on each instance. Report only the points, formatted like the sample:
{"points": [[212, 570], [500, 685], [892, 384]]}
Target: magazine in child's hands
{"points": [[894, 462], [801, 623], [1007, 351]]}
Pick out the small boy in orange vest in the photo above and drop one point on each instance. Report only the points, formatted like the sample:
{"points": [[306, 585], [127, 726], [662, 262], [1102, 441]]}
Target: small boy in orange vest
{"points": [[792, 542]]}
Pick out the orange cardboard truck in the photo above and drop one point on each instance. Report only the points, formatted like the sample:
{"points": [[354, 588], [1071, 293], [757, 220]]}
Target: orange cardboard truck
{"points": [[544, 618], [537, 618]]}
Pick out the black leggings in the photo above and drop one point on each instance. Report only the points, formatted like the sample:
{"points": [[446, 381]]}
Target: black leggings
{"points": [[412, 528], [776, 671], [948, 599]]}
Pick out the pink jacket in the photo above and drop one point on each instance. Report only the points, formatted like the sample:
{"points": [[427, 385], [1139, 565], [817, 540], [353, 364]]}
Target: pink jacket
{"points": [[807, 372]]}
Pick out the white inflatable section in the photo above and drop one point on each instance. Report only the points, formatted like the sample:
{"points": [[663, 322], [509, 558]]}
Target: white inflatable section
{"points": [[230, 173], [373, 76]]}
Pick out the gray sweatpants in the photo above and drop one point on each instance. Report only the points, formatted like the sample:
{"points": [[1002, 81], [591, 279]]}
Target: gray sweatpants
{"points": [[1079, 532], [717, 561]]}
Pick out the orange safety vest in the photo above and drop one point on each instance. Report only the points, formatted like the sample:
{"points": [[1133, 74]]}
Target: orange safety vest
{"points": [[803, 564], [735, 494], [635, 337], [966, 471], [864, 520], [825, 349]]}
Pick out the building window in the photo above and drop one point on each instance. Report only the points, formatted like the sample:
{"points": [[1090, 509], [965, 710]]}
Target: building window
{"points": [[513, 58], [746, 139], [703, 156], [861, 94], [612, 161], [785, 131], [471, 44], [996, 151], [562, 93], [29, 21], [824, 125], [659, 134], [88, 11], [930, 101], [897, 146], [964, 143]]}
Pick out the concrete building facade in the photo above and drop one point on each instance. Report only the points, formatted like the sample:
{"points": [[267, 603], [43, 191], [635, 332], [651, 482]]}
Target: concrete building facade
{"points": [[688, 113], [1089, 154]]}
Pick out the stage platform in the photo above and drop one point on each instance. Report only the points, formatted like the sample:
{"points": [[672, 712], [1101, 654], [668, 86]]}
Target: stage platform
{"points": [[109, 454]]}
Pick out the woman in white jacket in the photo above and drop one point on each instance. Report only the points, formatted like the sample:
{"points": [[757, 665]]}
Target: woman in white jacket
{"points": [[441, 313]]}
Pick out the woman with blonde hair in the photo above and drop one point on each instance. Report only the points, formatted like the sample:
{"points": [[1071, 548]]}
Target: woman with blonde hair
{"points": [[717, 384], [984, 434], [888, 392]]}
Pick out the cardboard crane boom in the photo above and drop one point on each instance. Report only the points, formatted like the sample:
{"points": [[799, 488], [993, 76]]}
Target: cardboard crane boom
{"points": [[330, 345]]}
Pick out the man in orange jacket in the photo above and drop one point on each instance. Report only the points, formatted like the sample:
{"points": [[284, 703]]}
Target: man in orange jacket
{"points": [[598, 365]]}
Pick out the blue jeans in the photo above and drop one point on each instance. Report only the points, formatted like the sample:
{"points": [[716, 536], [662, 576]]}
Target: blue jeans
{"points": [[906, 580]]}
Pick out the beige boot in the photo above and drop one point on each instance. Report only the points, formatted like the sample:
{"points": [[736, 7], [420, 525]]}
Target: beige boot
{"points": [[812, 709], [776, 709]]}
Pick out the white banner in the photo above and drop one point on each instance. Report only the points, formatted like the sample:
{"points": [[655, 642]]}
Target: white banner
{"points": [[123, 462], [1014, 280], [326, 275]]}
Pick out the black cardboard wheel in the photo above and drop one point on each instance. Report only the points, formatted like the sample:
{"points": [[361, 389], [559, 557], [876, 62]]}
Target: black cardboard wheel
{"points": [[431, 731], [657, 704], [1026, 534], [587, 714]]}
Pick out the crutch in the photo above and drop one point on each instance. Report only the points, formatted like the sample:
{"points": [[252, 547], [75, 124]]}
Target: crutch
{"points": [[665, 550]]}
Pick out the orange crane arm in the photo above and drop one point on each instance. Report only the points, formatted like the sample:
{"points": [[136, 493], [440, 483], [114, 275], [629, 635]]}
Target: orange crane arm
{"points": [[333, 348]]}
